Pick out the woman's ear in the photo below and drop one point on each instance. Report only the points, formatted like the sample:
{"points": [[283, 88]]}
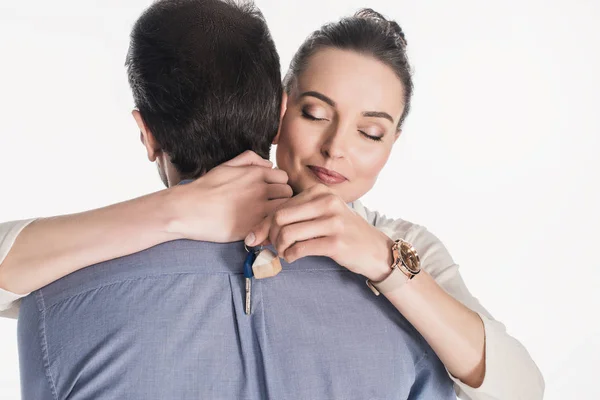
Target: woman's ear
{"points": [[397, 135], [284, 100], [146, 137]]}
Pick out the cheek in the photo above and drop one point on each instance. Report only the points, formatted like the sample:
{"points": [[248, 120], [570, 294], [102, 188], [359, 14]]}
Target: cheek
{"points": [[294, 142], [368, 162]]}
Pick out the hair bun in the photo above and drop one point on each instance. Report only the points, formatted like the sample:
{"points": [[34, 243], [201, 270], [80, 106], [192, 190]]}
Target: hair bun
{"points": [[391, 27]]}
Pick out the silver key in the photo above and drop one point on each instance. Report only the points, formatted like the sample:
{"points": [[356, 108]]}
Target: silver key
{"points": [[248, 295]]}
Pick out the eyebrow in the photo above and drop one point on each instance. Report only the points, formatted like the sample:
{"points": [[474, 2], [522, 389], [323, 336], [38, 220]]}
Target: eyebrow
{"points": [[372, 114], [378, 114], [319, 96]]}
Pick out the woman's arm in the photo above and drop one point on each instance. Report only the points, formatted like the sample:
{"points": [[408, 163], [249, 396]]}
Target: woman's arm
{"points": [[51, 248], [36, 253], [453, 331], [482, 359]]}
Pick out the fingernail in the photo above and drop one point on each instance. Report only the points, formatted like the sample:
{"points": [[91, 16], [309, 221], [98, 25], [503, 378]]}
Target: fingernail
{"points": [[250, 239]]}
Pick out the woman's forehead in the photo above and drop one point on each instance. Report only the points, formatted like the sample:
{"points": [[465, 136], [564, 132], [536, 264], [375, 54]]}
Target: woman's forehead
{"points": [[352, 80]]}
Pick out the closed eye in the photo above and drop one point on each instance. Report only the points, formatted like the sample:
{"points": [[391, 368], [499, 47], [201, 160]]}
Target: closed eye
{"points": [[371, 137], [311, 117]]}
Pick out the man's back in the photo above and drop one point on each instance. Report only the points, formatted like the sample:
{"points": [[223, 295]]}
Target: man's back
{"points": [[169, 323]]}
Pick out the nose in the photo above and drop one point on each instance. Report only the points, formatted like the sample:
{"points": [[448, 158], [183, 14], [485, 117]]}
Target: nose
{"points": [[335, 142]]}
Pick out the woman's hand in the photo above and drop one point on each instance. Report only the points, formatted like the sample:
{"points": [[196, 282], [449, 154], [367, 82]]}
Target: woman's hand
{"points": [[224, 204], [317, 222]]}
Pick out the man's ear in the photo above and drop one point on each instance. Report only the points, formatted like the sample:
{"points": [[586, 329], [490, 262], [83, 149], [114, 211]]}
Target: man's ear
{"points": [[284, 100], [152, 148]]}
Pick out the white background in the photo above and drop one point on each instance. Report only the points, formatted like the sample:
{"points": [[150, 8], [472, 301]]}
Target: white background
{"points": [[498, 158]]}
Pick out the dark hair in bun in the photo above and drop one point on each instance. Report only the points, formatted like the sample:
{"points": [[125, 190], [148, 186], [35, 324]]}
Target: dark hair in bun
{"points": [[366, 32]]}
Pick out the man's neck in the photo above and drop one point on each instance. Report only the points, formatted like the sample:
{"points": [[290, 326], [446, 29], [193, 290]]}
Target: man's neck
{"points": [[168, 173]]}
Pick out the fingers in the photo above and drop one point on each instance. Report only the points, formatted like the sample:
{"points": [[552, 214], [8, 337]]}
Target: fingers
{"points": [[279, 191], [309, 196], [327, 246], [273, 205], [309, 205], [275, 175], [290, 214], [296, 210], [303, 231], [304, 207], [326, 207], [248, 158], [251, 159], [260, 233]]}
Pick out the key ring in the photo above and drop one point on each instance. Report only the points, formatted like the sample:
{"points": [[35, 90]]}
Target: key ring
{"points": [[255, 251]]}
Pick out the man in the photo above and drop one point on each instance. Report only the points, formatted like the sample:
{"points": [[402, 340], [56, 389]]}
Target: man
{"points": [[169, 322]]}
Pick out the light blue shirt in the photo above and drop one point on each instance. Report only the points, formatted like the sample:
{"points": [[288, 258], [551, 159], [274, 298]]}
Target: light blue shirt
{"points": [[169, 323]]}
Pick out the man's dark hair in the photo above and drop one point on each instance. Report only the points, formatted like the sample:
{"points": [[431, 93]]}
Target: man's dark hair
{"points": [[206, 79]]}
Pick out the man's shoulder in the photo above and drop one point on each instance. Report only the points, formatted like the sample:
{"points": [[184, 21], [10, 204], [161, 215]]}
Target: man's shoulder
{"points": [[165, 260], [183, 255]]}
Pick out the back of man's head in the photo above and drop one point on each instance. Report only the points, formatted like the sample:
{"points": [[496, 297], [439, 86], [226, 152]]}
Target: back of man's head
{"points": [[205, 77]]}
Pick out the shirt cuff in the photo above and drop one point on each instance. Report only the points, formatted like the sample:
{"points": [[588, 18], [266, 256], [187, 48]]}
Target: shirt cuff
{"points": [[486, 389], [9, 302], [508, 374]]}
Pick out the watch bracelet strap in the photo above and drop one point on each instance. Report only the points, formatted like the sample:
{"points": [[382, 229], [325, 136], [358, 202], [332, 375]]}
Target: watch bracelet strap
{"points": [[399, 276], [392, 282]]}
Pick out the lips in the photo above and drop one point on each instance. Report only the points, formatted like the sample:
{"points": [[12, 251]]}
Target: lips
{"points": [[327, 176]]}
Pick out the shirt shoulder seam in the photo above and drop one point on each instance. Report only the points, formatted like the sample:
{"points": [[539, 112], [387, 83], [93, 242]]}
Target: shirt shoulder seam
{"points": [[44, 343]]}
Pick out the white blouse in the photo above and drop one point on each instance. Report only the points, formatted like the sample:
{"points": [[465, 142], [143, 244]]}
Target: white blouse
{"points": [[9, 302], [510, 373]]}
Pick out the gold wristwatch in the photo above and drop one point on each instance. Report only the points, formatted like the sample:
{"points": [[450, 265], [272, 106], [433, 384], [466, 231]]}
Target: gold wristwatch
{"points": [[406, 265]]}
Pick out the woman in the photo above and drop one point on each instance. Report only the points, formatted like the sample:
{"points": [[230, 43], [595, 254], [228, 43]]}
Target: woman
{"points": [[346, 96]]}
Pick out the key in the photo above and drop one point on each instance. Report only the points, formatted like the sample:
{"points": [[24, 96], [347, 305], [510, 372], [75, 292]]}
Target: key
{"points": [[248, 296], [248, 276], [266, 265]]}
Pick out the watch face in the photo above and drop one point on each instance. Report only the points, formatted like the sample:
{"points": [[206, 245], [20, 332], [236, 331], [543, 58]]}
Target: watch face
{"points": [[410, 257]]}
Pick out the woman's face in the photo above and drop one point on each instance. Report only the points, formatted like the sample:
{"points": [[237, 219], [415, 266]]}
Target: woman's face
{"points": [[340, 123]]}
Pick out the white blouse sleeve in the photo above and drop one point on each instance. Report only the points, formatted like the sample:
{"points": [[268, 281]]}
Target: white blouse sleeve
{"points": [[510, 372], [9, 302]]}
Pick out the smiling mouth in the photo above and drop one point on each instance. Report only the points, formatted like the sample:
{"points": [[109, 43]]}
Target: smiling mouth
{"points": [[327, 176]]}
